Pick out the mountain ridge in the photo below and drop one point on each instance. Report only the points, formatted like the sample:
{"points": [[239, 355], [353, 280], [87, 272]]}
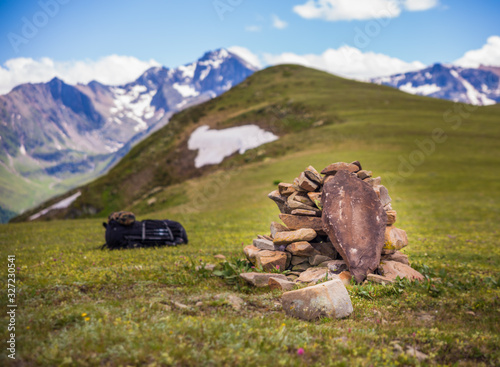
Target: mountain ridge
{"points": [[477, 86], [292, 102], [54, 136]]}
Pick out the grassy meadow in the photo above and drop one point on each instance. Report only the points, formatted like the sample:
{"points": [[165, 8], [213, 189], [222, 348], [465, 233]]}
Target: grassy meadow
{"points": [[80, 306]]}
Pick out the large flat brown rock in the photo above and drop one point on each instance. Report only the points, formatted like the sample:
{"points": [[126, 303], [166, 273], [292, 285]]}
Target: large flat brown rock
{"points": [[355, 221]]}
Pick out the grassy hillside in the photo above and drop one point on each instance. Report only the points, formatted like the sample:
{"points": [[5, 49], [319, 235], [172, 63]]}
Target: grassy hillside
{"points": [[297, 103], [82, 306]]}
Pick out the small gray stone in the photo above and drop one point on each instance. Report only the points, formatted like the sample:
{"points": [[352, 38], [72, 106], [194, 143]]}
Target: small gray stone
{"points": [[313, 175], [251, 252], [393, 269], [379, 279], [260, 279], [312, 275], [180, 306], [333, 168], [311, 213], [416, 353], [303, 199], [277, 227], [329, 299], [364, 174], [281, 284], [292, 203], [276, 197], [285, 189], [336, 266], [397, 256], [306, 183], [264, 244], [385, 199], [280, 202], [296, 260], [301, 248], [373, 181], [234, 301], [265, 237], [301, 267], [317, 259]]}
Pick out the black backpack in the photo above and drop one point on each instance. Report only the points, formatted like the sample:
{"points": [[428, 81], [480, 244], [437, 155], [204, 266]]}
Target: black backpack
{"points": [[146, 233]]}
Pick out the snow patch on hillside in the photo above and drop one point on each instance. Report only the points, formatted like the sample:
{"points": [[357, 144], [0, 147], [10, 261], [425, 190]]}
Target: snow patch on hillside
{"points": [[134, 103], [185, 90], [423, 90], [188, 70], [215, 145], [59, 205]]}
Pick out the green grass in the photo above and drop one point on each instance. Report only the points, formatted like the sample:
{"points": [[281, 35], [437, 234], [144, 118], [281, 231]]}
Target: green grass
{"points": [[451, 218], [449, 205]]}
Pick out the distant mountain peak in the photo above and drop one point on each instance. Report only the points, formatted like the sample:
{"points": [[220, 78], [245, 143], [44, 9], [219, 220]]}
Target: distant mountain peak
{"points": [[61, 134], [479, 86]]}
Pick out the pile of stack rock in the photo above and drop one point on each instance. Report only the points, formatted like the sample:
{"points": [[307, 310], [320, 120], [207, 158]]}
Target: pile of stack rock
{"points": [[338, 222]]}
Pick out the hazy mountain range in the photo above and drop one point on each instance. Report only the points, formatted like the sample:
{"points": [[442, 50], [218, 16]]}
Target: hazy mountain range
{"points": [[54, 136], [478, 86]]}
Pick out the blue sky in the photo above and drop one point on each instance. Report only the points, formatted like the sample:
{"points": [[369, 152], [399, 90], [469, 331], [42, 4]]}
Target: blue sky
{"points": [[177, 32]]}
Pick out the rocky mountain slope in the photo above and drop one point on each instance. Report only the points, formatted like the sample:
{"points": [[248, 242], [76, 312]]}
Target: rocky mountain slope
{"points": [[54, 136], [479, 86], [303, 109]]}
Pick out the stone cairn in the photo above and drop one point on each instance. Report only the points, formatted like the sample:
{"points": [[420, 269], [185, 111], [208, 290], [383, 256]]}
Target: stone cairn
{"points": [[337, 225]]}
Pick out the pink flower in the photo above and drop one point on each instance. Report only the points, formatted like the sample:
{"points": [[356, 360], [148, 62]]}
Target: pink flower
{"points": [[300, 351], [277, 267]]}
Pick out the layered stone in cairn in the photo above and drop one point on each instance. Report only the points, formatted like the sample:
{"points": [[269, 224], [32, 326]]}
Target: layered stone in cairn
{"points": [[332, 238]]}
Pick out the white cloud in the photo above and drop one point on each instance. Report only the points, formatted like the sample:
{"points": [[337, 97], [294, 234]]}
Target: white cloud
{"points": [[278, 23], [246, 55], [348, 62], [253, 28], [334, 10], [112, 70], [420, 5], [488, 55]]}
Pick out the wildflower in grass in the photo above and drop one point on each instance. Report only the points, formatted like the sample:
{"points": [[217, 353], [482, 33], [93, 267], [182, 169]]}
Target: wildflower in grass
{"points": [[87, 319], [300, 351], [84, 314], [277, 267]]}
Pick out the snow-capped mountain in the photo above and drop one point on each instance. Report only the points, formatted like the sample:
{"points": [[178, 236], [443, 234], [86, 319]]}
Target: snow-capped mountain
{"points": [[479, 86], [63, 135]]}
